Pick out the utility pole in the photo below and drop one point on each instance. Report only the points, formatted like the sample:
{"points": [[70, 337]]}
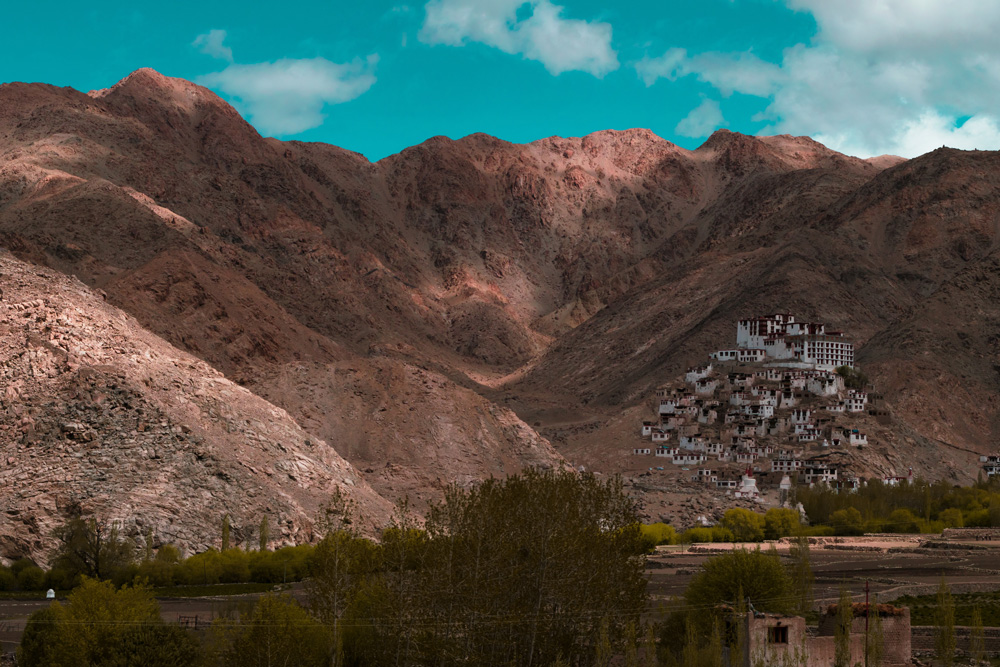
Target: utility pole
{"points": [[868, 613]]}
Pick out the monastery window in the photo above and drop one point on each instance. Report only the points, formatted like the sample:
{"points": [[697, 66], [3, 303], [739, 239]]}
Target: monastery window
{"points": [[777, 635]]}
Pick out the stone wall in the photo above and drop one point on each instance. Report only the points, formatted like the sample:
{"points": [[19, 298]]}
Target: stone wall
{"points": [[923, 639]]}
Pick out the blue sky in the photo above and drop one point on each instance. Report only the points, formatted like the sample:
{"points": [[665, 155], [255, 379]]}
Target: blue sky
{"points": [[863, 76]]}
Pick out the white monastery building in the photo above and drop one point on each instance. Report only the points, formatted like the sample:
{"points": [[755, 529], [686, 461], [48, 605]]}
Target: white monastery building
{"points": [[781, 337]]}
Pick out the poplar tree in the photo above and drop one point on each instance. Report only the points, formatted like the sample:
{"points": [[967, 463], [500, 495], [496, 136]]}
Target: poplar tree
{"points": [[875, 644], [225, 532], [649, 658], [977, 639], [842, 632], [263, 533], [944, 640], [802, 574]]}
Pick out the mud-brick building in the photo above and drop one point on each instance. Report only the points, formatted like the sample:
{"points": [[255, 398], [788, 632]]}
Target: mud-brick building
{"points": [[775, 639]]}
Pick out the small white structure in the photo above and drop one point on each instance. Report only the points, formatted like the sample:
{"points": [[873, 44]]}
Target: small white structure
{"points": [[641, 451], [991, 465], [748, 487], [50, 594], [697, 373]]}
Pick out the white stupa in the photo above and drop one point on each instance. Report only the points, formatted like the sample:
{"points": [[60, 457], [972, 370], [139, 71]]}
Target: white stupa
{"points": [[748, 487]]}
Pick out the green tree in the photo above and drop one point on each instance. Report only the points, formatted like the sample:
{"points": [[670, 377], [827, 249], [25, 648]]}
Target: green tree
{"points": [[951, 517], [657, 533], [689, 656], [977, 638], [100, 625], [649, 648], [875, 641], [847, 522], [781, 522], [92, 548], [801, 574], [944, 637], [714, 649], [540, 551], [225, 532], [842, 631], [277, 631], [631, 646], [742, 574], [903, 521], [603, 651], [745, 525], [264, 533]]}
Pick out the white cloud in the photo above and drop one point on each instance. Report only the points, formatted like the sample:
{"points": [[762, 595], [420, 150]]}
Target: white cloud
{"points": [[540, 33], [667, 66], [212, 43], [288, 96], [881, 76], [907, 25], [702, 121]]}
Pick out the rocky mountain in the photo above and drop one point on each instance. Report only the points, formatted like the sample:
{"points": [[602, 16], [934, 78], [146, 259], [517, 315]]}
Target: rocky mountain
{"points": [[467, 308]]}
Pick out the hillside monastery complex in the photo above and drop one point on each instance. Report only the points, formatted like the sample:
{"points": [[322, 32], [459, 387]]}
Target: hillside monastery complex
{"points": [[773, 406]]}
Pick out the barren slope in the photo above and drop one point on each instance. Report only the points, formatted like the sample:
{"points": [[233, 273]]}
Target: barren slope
{"points": [[99, 414]]}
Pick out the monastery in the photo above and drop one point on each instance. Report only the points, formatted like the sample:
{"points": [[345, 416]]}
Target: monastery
{"points": [[775, 405]]}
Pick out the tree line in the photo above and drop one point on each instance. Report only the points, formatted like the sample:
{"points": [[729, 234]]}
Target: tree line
{"points": [[541, 568]]}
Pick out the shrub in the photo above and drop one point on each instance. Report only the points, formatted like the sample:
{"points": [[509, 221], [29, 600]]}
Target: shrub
{"points": [[746, 526], [657, 533], [781, 522]]}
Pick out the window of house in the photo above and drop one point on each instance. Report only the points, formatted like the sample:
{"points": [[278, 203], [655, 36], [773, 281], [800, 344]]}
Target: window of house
{"points": [[777, 635]]}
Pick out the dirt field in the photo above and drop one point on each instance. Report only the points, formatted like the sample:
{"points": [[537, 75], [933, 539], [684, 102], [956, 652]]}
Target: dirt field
{"points": [[893, 566]]}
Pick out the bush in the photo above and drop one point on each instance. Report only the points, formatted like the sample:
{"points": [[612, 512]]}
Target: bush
{"points": [[745, 526], [276, 632], [753, 574], [903, 521], [781, 522], [847, 522], [99, 625], [31, 578], [657, 533], [951, 518], [8, 581]]}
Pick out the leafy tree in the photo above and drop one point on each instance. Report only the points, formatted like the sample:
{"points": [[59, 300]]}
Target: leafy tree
{"points": [[225, 532], [780, 522], [649, 648], [977, 638], [944, 638], [951, 518], [92, 548], [842, 631], [508, 572], [689, 656], [746, 526], [714, 648], [603, 651], [847, 522], [903, 521], [100, 625], [631, 646], [37, 641], [801, 574], [8, 581], [742, 574], [277, 631], [657, 533], [264, 533], [875, 641]]}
